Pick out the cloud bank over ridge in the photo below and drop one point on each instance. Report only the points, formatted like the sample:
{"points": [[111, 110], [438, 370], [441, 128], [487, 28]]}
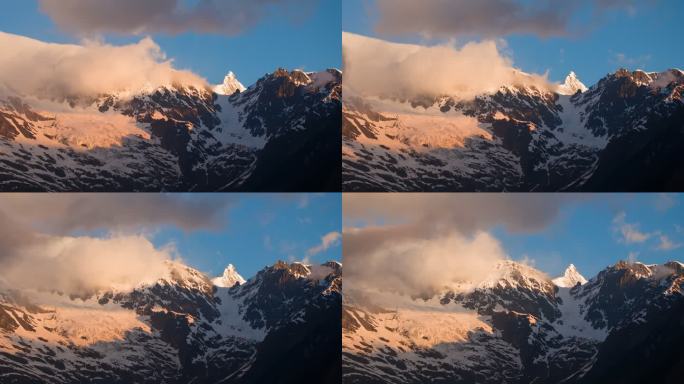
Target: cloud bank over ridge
{"points": [[79, 244], [375, 67], [417, 244], [87, 70]]}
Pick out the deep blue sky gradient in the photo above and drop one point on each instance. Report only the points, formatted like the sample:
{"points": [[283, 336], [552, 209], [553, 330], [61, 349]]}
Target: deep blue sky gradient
{"points": [[584, 233], [257, 230]]}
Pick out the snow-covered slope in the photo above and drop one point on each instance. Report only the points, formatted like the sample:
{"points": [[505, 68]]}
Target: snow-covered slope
{"points": [[275, 135], [519, 327], [180, 329], [521, 138]]}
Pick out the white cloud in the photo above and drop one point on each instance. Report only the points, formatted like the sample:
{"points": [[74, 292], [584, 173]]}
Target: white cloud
{"points": [[81, 266], [529, 261], [423, 267], [60, 71], [375, 67], [633, 235], [231, 17], [666, 244], [417, 244], [328, 240], [79, 244], [319, 272], [629, 233]]}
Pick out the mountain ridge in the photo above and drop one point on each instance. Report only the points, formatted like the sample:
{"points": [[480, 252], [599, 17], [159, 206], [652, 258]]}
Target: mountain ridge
{"points": [[179, 329], [521, 139], [523, 329], [177, 139]]}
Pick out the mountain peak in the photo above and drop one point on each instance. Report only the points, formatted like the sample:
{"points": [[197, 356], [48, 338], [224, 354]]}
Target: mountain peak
{"points": [[230, 85], [229, 279], [572, 85], [570, 278]]}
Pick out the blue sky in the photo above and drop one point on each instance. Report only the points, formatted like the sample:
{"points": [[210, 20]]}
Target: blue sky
{"points": [[260, 229], [594, 231], [645, 37], [313, 43]]}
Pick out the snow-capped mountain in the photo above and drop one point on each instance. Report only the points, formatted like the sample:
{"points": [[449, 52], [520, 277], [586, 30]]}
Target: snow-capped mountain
{"points": [[229, 278], [622, 134], [570, 278], [283, 325], [280, 134], [622, 326], [230, 85], [572, 85]]}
